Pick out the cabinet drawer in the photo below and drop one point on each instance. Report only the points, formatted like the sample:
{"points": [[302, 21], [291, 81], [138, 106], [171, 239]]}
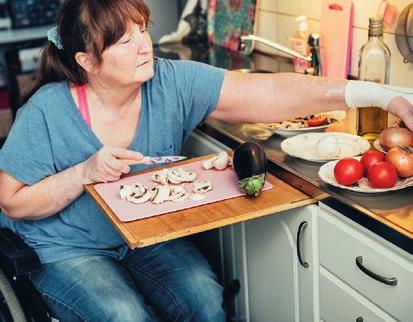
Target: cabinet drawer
{"points": [[340, 303], [341, 244]]}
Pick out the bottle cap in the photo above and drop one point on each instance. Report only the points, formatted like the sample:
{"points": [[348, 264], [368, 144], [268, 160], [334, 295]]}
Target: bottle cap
{"points": [[302, 23], [376, 26]]}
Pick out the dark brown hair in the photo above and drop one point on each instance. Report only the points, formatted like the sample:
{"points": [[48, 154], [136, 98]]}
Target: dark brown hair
{"points": [[85, 26]]}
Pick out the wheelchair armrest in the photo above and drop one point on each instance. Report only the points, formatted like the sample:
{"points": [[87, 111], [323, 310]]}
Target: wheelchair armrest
{"points": [[18, 253]]}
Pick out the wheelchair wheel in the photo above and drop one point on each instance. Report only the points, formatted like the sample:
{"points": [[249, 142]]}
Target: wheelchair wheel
{"points": [[11, 301]]}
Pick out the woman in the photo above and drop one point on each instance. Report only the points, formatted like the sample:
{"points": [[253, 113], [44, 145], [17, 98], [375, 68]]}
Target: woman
{"points": [[101, 96]]}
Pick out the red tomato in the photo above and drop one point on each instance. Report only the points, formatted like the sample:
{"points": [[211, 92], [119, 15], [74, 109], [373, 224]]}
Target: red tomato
{"points": [[317, 121], [382, 175], [370, 158], [348, 171]]}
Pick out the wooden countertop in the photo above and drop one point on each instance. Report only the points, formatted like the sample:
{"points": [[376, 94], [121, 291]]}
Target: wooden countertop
{"points": [[148, 231]]}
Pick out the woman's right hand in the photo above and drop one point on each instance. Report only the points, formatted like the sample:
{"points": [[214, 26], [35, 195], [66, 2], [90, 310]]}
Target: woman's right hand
{"points": [[105, 166]]}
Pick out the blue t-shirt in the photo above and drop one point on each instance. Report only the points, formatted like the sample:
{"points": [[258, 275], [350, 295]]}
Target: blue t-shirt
{"points": [[50, 135]]}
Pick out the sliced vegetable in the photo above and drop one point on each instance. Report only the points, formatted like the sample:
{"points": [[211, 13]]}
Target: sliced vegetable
{"points": [[250, 162], [318, 121]]}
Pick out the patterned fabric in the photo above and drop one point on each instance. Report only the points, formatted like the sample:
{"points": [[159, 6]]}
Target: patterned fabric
{"points": [[228, 20]]}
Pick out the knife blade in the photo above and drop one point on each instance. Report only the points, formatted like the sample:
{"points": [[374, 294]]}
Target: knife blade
{"points": [[154, 160]]}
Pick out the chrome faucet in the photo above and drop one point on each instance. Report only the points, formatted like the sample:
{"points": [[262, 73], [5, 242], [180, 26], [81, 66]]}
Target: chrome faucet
{"points": [[247, 45]]}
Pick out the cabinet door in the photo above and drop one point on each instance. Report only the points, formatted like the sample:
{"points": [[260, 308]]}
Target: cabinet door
{"points": [[303, 226], [279, 288], [340, 303]]}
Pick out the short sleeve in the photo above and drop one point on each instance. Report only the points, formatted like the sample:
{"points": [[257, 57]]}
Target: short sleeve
{"points": [[27, 154], [200, 87]]}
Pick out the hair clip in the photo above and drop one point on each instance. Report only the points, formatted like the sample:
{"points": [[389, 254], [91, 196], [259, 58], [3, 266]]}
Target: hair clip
{"points": [[54, 37]]}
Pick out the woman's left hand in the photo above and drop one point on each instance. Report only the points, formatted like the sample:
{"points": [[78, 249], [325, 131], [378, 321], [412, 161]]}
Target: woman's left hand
{"points": [[402, 109]]}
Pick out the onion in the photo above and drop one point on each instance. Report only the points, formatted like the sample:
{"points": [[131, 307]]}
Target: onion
{"points": [[396, 136], [402, 160]]}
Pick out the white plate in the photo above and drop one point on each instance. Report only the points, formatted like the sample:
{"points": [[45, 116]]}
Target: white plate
{"points": [[338, 115], [303, 146], [378, 146], [326, 173]]}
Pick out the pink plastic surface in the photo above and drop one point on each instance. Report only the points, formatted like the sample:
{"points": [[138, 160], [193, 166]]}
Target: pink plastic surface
{"points": [[225, 185], [336, 37]]}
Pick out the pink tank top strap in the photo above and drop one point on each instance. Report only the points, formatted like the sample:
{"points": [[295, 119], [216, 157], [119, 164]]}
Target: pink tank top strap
{"points": [[83, 105]]}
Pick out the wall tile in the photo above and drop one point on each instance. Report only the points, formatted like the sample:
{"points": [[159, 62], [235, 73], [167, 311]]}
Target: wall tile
{"points": [[291, 7], [311, 9], [267, 28], [268, 5]]}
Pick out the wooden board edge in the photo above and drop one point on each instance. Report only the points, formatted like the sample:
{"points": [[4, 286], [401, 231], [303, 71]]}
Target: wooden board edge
{"points": [[221, 223]]}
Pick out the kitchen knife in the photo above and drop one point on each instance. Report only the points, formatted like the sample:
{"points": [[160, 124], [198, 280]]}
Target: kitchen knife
{"points": [[154, 160]]}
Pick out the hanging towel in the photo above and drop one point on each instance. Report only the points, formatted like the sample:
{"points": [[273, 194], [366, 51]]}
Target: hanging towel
{"points": [[228, 20]]}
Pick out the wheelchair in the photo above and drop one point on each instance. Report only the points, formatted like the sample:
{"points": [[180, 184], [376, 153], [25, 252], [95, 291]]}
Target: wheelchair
{"points": [[19, 300]]}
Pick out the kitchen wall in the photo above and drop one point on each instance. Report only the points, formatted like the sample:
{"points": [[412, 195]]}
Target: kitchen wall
{"points": [[276, 22]]}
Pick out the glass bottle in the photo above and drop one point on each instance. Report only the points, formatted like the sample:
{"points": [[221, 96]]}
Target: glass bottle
{"points": [[374, 66]]}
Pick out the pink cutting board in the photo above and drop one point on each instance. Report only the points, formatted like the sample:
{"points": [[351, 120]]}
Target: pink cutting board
{"points": [[336, 38], [225, 185]]}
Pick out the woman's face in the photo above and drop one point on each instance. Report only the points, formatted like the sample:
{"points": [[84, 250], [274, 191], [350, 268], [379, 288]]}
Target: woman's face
{"points": [[130, 60]]}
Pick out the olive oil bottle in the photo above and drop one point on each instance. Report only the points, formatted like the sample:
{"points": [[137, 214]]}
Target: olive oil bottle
{"points": [[374, 66]]}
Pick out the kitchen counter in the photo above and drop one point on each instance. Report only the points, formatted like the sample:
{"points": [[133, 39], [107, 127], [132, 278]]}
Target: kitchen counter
{"points": [[389, 215]]}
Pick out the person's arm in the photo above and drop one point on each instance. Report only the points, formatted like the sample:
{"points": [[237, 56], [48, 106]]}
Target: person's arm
{"points": [[50, 195], [279, 97]]}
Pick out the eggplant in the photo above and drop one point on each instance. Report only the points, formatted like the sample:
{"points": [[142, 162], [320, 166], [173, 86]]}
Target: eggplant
{"points": [[250, 163]]}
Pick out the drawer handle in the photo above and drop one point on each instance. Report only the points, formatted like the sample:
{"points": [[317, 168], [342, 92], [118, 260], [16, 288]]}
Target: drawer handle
{"points": [[301, 228], [377, 277]]}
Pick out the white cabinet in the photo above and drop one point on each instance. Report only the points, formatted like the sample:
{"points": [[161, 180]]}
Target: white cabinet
{"points": [[280, 287], [377, 277]]}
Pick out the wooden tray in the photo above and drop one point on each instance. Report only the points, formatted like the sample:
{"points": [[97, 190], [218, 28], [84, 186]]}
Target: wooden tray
{"points": [[152, 230], [225, 186]]}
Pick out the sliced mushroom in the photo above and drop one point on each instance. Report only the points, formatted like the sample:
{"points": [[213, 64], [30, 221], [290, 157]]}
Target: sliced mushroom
{"points": [[202, 186], [139, 189], [175, 177], [161, 176], [178, 193], [162, 195], [183, 175], [141, 199], [154, 193], [125, 191]]}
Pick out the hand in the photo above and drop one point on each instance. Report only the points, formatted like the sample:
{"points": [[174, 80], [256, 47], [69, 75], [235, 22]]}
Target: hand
{"points": [[402, 109], [105, 166]]}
